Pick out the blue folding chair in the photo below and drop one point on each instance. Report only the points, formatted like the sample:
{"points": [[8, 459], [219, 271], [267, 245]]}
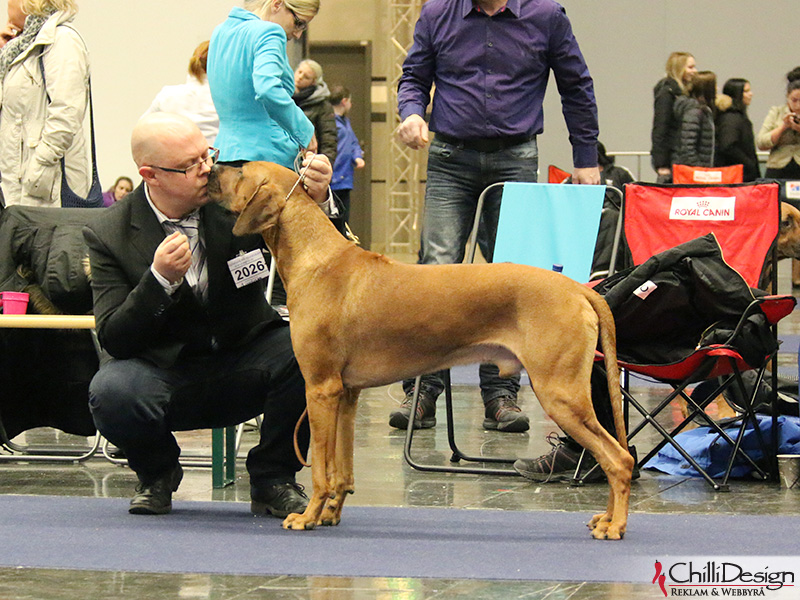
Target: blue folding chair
{"points": [[541, 225]]}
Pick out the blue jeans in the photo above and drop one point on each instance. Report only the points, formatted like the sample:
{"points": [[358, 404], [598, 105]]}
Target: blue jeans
{"points": [[137, 405], [456, 177]]}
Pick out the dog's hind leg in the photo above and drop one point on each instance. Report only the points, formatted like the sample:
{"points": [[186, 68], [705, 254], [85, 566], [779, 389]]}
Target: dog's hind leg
{"points": [[323, 401], [343, 481], [567, 400]]}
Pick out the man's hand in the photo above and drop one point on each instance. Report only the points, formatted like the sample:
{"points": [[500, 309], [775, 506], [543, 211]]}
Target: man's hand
{"points": [[173, 257], [587, 175], [413, 132], [317, 177]]}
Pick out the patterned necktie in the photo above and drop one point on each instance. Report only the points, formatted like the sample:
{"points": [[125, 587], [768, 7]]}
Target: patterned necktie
{"points": [[197, 275]]}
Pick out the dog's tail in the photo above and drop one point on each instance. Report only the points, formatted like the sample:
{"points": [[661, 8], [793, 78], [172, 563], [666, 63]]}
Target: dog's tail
{"points": [[608, 344]]}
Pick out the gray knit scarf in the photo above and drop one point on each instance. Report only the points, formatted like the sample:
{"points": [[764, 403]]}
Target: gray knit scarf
{"points": [[22, 42]]}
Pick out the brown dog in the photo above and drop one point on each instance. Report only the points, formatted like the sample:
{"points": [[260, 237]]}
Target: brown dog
{"points": [[362, 320], [789, 234]]}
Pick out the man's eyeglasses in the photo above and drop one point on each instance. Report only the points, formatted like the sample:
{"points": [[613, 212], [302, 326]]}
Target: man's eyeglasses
{"points": [[299, 24], [210, 160]]}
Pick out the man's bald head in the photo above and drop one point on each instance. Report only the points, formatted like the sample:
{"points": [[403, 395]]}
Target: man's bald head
{"points": [[155, 135]]}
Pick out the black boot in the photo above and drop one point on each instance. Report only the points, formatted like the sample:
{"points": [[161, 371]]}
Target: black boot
{"points": [[155, 497]]}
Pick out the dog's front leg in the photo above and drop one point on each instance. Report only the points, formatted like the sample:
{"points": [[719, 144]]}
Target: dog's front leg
{"points": [[323, 402], [343, 479]]}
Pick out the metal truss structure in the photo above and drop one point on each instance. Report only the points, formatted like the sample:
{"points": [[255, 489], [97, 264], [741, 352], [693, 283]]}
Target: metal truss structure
{"points": [[404, 190]]}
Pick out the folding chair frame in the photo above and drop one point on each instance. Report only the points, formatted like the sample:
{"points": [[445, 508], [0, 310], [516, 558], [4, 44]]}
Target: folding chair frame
{"points": [[457, 455]]}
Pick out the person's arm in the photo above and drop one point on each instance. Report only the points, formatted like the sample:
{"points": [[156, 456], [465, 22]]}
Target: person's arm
{"points": [[729, 141], [578, 103], [268, 68], [690, 135], [328, 135], [771, 130], [66, 66], [661, 142], [414, 88], [130, 317]]}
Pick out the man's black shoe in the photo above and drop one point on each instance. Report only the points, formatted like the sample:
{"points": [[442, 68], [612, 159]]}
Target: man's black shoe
{"points": [[155, 498], [278, 500], [426, 412]]}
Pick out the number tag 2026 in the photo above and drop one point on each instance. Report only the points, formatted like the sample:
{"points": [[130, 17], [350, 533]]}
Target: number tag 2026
{"points": [[247, 268]]}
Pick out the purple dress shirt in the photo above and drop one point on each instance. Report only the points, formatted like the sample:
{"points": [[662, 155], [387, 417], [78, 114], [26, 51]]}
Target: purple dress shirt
{"points": [[491, 73]]}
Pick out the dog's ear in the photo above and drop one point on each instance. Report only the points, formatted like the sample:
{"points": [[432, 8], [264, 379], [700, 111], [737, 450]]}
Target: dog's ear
{"points": [[789, 217], [262, 209]]}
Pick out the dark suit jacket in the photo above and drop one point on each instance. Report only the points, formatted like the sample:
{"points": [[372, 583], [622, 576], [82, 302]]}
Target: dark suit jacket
{"points": [[137, 318]]}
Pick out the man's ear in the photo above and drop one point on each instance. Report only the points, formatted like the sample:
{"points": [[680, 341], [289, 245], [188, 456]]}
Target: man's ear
{"points": [[148, 174]]}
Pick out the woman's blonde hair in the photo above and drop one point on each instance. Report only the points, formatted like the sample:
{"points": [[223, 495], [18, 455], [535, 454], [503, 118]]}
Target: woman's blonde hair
{"points": [[41, 8], [302, 8], [315, 67], [198, 62], [676, 65]]}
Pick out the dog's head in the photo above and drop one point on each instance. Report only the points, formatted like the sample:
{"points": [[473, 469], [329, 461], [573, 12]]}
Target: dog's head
{"points": [[789, 235], [256, 191]]}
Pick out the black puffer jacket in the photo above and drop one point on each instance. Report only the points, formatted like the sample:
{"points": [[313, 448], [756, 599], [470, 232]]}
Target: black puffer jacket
{"points": [[695, 141], [735, 141], [314, 102], [665, 127]]}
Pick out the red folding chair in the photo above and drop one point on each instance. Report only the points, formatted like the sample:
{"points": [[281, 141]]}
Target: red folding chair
{"points": [[745, 220], [707, 175], [556, 175]]}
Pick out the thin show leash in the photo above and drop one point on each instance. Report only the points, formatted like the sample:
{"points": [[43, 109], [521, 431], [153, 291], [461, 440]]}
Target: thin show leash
{"points": [[301, 176]]}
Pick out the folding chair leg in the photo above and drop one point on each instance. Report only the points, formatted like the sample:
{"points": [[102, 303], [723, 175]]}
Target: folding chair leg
{"points": [[457, 454], [668, 438], [31, 453]]}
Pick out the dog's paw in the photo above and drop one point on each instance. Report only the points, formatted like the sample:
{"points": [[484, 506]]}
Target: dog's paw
{"points": [[298, 522], [608, 531], [602, 517]]}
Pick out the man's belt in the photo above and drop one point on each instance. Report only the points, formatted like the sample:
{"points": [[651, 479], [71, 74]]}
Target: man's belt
{"points": [[486, 144]]}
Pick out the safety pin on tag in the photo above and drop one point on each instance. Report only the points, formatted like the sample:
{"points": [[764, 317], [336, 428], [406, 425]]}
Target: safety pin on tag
{"points": [[247, 268]]}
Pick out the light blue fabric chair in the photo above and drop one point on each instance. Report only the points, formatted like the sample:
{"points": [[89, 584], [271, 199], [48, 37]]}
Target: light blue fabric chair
{"points": [[540, 225]]}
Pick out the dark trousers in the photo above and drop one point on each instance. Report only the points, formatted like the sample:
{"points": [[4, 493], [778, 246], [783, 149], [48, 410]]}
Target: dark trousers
{"points": [[137, 405], [790, 171]]}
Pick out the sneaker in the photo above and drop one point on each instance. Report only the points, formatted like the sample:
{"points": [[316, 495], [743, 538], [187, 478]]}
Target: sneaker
{"points": [[426, 412], [503, 414], [155, 498], [278, 500], [560, 464]]}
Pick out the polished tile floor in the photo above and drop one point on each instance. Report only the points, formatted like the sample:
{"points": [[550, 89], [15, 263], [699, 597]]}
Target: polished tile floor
{"points": [[382, 479]]}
